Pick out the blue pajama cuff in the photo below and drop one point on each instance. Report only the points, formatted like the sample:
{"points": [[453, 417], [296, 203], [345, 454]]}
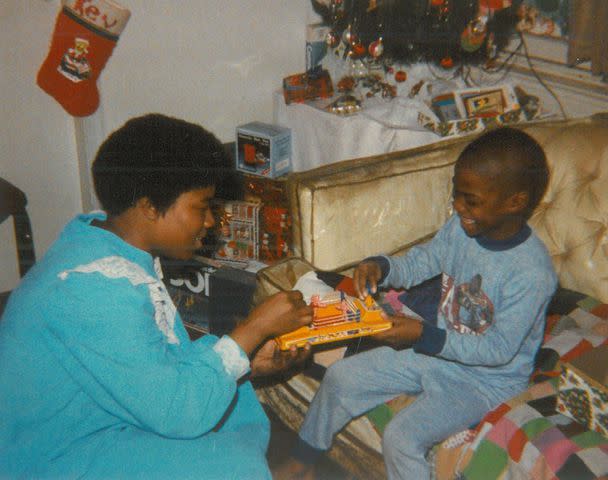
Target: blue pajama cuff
{"points": [[432, 340]]}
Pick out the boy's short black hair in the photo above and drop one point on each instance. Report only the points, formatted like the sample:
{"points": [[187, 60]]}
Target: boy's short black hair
{"points": [[512, 158], [157, 157]]}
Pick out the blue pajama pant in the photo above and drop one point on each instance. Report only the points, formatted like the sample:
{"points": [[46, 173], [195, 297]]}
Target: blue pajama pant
{"points": [[447, 402]]}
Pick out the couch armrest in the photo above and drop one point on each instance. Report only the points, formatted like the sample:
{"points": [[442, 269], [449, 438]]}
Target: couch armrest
{"points": [[348, 210]]}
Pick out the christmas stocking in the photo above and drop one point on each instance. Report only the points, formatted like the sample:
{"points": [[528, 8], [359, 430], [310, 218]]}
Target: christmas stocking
{"points": [[86, 32]]}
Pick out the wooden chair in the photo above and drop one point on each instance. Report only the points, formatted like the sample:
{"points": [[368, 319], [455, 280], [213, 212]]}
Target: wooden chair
{"points": [[12, 204]]}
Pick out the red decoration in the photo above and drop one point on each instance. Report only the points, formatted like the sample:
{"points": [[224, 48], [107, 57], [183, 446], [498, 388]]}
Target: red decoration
{"points": [[376, 48], [359, 49], [400, 76], [473, 35], [84, 37], [346, 84], [447, 62], [488, 7]]}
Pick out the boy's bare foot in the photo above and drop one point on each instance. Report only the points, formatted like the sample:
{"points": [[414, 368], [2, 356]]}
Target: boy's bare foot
{"points": [[292, 469]]}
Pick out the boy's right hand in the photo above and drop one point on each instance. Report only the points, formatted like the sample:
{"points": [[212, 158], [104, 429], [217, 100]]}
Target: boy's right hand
{"points": [[281, 313], [366, 277]]}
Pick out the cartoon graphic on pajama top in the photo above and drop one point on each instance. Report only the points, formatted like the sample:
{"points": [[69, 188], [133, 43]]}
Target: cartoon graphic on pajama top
{"points": [[466, 308]]}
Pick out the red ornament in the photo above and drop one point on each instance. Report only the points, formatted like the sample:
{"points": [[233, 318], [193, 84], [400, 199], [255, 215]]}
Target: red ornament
{"points": [[489, 7], [400, 76], [358, 49], [376, 48], [447, 62]]}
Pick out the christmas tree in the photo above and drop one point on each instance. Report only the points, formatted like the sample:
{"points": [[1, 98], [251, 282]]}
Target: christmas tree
{"points": [[447, 32]]}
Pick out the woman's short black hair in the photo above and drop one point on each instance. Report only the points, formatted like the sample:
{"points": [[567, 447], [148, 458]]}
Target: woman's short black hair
{"points": [[513, 159], [157, 157]]}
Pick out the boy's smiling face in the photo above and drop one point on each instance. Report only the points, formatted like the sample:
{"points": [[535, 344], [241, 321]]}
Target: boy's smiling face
{"points": [[485, 207]]}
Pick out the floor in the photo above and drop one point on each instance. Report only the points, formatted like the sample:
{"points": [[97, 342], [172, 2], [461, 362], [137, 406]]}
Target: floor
{"points": [[281, 442]]}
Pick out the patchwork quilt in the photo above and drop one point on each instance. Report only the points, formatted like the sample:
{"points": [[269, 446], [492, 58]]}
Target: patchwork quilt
{"points": [[526, 437]]}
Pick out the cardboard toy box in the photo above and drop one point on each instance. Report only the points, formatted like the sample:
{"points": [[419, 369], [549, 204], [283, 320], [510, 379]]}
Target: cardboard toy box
{"points": [[583, 394], [263, 149], [238, 231], [275, 236], [210, 297]]}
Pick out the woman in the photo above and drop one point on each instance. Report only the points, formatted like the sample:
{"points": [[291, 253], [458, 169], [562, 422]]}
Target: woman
{"points": [[99, 378]]}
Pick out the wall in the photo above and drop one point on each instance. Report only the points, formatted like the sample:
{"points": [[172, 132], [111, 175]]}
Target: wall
{"points": [[37, 144], [209, 61]]}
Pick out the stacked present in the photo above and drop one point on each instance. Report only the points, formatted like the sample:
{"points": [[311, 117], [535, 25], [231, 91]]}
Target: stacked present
{"points": [[583, 394]]}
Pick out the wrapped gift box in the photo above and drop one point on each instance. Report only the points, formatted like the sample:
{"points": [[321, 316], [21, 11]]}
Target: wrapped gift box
{"points": [[474, 110], [583, 394], [474, 125]]}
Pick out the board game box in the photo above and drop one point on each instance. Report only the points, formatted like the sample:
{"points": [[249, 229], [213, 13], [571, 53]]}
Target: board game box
{"points": [[337, 316]]}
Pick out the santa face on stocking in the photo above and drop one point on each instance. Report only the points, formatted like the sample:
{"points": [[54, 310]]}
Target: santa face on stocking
{"points": [[86, 32], [74, 64]]}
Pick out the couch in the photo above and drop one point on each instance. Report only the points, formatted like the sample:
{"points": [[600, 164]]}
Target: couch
{"points": [[401, 199]]}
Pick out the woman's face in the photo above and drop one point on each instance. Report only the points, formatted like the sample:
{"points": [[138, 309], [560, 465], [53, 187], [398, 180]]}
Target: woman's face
{"points": [[180, 231]]}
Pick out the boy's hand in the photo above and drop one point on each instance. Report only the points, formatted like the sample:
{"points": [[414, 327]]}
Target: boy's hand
{"points": [[366, 277], [405, 331], [281, 313], [270, 359]]}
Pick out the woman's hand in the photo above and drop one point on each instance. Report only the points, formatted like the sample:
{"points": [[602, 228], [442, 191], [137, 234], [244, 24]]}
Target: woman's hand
{"points": [[404, 332], [366, 277], [269, 359], [281, 313]]}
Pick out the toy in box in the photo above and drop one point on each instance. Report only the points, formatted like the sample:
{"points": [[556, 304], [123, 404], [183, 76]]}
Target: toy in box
{"points": [[238, 232], [583, 395], [275, 238], [302, 87], [263, 149], [275, 221], [210, 297], [337, 316], [187, 283], [474, 110]]}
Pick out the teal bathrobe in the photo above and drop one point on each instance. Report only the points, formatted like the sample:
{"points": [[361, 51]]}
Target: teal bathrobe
{"points": [[98, 378]]}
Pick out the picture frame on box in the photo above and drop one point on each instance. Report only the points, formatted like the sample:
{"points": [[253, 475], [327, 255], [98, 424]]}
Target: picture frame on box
{"points": [[445, 107], [485, 102]]}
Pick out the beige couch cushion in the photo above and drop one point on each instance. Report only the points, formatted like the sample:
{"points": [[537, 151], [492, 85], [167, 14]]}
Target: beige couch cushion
{"points": [[348, 210]]}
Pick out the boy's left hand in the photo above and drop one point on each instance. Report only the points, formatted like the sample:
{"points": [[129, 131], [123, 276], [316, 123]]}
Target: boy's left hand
{"points": [[405, 331], [270, 359]]}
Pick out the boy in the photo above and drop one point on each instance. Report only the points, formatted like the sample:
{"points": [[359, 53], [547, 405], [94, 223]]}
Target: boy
{"points": [[497, 279], [99, 378]]}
